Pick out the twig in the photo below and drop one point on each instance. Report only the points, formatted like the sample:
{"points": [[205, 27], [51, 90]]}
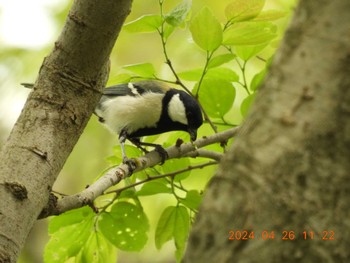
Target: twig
{"points": [[172, 69], [206, 154], [116, 174], [151, 178]]}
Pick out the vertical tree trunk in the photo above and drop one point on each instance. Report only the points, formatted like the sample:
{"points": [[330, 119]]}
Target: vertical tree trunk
{"points": [[68, 87], [288, 170]]}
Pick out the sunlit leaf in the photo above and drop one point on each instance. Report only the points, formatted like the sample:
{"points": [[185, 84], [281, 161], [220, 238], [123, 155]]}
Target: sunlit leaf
{"points": [[270, 15], [145, 70], [247, 52], [206, 30], [192, 75], [179, 14], [213, 73], [69, 233], [146, 23], [217, 96], [125, 226], [69, 218], [250, 33], [222, 73], [97, 250], [241, 10], [120, 78], [167, 30], [220, 59]]}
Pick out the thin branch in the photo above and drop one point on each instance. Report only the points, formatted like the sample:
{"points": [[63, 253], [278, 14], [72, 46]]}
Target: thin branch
{"points": [[172, 69], [172, 174], [205, 70], [206, 154], [165, 52], [116, 174], [243, 69]]}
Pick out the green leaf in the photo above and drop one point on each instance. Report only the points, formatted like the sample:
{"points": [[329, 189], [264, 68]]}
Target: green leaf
{"points": [[206, 30], [246, 103], [174, 165], [125, 226], [173, 223], [69, 233], [69, 218], [241, 10], [222, 73], [192, 200], [191, 75], [127, 194], [247, 52], [220, 59], [216, 96], [154, 187], [146, 23], [145, 70], [120, 78], [213, 73], [179, 14], [270, 15], [257, 79], [167, 30], [97, 250], [165, 227], [182, 227], [250, 33]]}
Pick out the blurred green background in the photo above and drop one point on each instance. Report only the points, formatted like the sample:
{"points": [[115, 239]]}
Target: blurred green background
{"points": [[28, 30]]}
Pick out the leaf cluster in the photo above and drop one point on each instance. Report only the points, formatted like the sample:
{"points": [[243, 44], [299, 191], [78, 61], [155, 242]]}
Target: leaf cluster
{"points": [[228, 48]]}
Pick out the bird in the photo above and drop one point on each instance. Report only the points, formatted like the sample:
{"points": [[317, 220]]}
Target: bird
{"points": [[149, 107]]}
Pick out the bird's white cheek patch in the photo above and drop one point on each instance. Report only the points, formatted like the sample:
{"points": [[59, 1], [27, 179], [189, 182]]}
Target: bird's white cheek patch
{"points": [[176, 110]]}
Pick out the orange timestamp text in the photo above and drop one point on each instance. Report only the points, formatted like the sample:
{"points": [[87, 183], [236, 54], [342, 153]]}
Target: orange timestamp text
{"points": [[280, 235]]}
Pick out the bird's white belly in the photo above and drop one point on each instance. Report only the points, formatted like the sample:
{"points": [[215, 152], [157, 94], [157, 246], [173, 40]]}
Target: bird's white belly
{"points": [[132, 113]]}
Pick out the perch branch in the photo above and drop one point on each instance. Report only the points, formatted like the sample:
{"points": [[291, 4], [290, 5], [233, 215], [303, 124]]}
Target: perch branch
{"points": [[116, 174]]}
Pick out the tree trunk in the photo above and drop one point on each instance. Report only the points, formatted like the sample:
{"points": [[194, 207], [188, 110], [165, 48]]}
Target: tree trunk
{"points": [[68, 87], [288, 170]]}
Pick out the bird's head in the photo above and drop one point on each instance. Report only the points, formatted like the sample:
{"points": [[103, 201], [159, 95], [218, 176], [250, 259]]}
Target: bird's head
{"points": [[183, 111]]}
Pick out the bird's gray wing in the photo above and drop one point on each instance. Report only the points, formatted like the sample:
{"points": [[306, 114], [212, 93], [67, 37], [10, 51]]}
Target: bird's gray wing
{"points": [[118, 90], [135, 89]]}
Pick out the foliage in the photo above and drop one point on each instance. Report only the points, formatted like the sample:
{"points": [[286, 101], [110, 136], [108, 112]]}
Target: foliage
{"points": [[117, 219]]}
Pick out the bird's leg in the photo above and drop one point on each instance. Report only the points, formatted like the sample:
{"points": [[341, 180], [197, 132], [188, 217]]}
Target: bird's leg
{"points": [[129, 162], [139, 144], [159, 149], [122, 139]]}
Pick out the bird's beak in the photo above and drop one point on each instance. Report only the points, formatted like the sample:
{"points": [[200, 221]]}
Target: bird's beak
{"points": [[193, 134]]}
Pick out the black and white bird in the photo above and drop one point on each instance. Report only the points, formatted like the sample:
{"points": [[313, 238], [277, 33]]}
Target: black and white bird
{"points": [[146, 108]]}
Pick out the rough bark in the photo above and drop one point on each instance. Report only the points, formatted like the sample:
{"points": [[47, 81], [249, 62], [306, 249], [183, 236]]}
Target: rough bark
{"points": [[68, 87], [288, 169]]}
